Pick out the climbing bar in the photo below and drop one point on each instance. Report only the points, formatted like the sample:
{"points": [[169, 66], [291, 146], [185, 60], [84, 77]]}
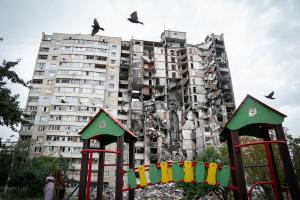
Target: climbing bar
{"points": [[98, 151], [260, 142]]}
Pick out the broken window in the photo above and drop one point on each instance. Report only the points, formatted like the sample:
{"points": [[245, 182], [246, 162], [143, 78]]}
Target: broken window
{"points": [[220, 118], [195, 98], [153, 150], [173, 74], [173, 59], [153, 139], [192, 66], [173, 67]]}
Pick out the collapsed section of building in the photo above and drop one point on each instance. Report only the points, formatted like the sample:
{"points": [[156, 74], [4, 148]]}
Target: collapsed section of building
{"points": [[180, 95]]}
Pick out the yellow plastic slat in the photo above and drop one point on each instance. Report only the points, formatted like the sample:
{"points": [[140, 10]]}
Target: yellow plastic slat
{"points": [[212, 173], [143, 178], [164, 172], [188, 172]]}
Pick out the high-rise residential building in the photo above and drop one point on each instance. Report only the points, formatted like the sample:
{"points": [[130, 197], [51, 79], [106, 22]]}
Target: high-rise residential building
{"points": [[175, 96]]}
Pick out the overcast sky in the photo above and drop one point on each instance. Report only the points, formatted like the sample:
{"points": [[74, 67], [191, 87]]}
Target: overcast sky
{"points": [[262, 38]]}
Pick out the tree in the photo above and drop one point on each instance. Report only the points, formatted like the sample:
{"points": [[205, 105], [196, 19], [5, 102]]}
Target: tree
{"points": [[11, 114], [28, 176], [294, 146]]}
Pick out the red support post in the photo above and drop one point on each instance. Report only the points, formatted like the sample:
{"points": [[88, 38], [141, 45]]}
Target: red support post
{"points": [[83, 171], [119, 169], [131, 165], [100, 172], [89, 176], [272, 173]]}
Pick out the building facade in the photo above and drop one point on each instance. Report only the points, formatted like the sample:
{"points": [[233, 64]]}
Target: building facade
{"points": [[174, 95]]}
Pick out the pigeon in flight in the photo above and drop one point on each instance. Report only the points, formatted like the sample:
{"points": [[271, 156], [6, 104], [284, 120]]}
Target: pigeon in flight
{"points": [[270, 96], [134, 18], [96, 27]]}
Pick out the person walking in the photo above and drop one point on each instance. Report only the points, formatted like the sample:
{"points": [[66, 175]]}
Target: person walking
{"points": [[49, 188]]}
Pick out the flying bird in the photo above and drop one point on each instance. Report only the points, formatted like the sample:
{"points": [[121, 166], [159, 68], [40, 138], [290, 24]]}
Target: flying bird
{"points": [[270, 96], [96, 27], [62, 101], [134, 18]]}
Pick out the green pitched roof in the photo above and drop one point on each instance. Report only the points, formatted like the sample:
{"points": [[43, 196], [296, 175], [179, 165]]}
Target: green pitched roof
{"points": [[250, 115], [103, 126]]}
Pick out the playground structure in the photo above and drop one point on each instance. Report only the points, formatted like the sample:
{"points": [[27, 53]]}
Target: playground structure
{"points": [[252, 118]]}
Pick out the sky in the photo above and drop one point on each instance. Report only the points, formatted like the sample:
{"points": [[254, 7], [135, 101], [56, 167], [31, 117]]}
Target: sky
{"points": [[261, 38]]}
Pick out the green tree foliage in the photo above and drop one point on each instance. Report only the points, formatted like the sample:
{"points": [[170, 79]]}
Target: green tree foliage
{"points": [[10, 112], [28, 175], [294, 146]]}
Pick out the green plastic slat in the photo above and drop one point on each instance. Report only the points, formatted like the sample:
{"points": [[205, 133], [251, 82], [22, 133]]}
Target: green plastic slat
{"points": [[159, 174], [200, 172], [177, 172], [153, 174], [131, 179], [224, 176]]}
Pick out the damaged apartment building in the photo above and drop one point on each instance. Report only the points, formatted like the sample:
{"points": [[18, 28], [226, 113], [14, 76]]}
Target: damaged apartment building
{"points": [[175, 96], [178, 95]]}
